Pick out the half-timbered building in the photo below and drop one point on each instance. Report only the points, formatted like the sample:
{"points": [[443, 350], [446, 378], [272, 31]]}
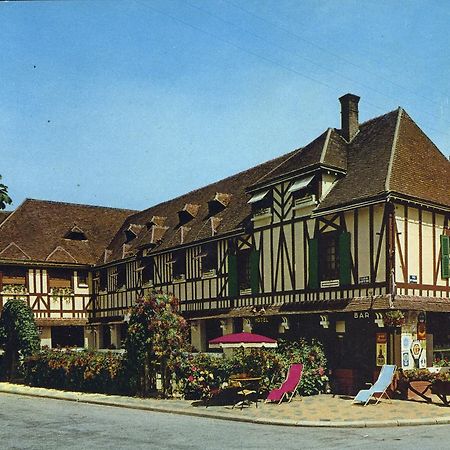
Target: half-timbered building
{"points": [[321, 242], [345, 240], [47, 250]]}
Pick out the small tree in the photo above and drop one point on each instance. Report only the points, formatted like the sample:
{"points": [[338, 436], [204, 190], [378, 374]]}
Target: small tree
{"points": [[4, 197], [19, 336], [156, 337]]}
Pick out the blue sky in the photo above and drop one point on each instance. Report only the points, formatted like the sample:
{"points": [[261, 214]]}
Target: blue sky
{"points": [[130, 103]]}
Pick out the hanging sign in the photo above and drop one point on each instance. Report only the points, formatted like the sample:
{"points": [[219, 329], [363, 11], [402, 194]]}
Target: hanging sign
{"points": [[381, 349], [416, 349], [407, 359], [421, 331]]}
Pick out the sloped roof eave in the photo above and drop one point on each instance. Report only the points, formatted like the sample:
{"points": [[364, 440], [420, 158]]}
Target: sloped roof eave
{"points": [[304, 171], [356, 203]]}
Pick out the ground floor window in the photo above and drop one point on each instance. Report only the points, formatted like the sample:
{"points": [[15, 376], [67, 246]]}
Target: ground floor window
{"points": [[67, 336]]}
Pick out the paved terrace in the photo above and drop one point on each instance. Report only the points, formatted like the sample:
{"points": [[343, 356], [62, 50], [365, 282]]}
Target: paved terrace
{"points": [[316, 411]]}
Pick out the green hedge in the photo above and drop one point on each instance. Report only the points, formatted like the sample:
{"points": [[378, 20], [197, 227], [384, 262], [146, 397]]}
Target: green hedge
{"points": [[84, 371]]}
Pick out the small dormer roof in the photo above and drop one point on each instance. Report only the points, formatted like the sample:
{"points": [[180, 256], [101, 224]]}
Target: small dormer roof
{"points": [[75, 234], [189, 211], [156, 220]]}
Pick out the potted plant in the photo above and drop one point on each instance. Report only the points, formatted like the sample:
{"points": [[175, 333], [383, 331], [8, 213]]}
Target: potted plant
{"points": [[394, 318]]}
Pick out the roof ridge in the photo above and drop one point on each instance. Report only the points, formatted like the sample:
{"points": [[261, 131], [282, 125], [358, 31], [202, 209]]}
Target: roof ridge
{"points": [[393, 148], [242, 172], [325, 146], [380, 116], [73, 204], [293, 153]]}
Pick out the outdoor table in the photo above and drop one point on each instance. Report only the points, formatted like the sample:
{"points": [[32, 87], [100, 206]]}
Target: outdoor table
{"points": [[249, 386]]}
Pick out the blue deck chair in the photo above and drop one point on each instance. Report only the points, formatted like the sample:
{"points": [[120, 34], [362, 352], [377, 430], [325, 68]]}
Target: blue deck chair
{"points": [[383, 382]]}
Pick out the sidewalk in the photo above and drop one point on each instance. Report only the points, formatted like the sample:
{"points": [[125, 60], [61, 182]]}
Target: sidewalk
{"points": [[315, 411]]}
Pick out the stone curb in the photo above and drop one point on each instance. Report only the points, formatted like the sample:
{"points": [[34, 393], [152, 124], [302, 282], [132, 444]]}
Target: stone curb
{"points": [[132, 403]]}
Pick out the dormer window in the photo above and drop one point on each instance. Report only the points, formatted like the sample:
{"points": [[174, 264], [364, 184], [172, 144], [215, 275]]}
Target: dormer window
{"points": [[132, 231], [129, 235], [156, 221], [75, 234], [261, 202], [302, 187], [188, 212], [218, 203]]}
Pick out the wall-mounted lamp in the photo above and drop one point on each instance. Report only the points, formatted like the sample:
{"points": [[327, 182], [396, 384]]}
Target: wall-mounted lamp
{"points": [[324, 321]]}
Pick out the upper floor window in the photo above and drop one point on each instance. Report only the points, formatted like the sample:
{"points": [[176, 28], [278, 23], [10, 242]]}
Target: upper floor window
{"points": [[303, 189], [103, 279], [112, 279], [14, 275], [179, 264], [82, 276], [209, 257], [330, 259], [121, 276], [261, 202], [329, 256], [60, 278], [148, 271], [243, 269]]}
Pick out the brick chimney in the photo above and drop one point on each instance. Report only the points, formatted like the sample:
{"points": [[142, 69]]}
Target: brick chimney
{"points": [[349, 116]]}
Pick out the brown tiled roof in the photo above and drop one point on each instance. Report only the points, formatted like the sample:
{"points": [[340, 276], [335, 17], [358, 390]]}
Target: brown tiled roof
{"points": [[4, 215], [391, 154], [419, 169], [233, 215], [36, 229], [328, 149], [368, 157]]}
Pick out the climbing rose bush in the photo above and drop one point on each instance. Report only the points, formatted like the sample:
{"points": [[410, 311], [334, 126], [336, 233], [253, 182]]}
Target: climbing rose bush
{"points": [[156, 338]]}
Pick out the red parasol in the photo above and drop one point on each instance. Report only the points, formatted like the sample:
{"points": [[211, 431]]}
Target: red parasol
{"points": [[246, 340]]}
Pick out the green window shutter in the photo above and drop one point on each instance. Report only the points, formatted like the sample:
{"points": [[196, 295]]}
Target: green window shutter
{"points": [[445, 252], [254, 271], [233, 289], [345, 259], [313, 265]]}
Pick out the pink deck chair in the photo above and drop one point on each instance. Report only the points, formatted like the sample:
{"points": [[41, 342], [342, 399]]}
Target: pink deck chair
{"points": [[289, 386]]}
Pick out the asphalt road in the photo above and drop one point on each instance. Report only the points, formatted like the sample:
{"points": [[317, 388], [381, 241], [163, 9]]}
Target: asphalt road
{"points": [[36, 423]]}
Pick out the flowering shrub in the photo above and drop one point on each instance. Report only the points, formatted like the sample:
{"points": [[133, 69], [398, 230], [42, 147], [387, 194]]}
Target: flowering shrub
{"points": [[441, 362], [17, 291], [199, 374], [426, 375], [155, 339], [76, 371], [312, 356]]}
